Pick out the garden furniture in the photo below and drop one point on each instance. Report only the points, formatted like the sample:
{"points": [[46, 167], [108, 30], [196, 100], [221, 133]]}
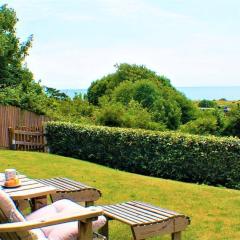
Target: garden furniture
{"points": [[29, 190], [62, 220], [72, 190], [146, 220]]}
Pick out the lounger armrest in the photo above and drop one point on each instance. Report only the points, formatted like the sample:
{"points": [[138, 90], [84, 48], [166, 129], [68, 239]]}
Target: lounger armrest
{"points": [[28, 225]]}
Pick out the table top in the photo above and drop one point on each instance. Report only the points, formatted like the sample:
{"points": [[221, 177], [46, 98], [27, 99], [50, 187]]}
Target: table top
{"points": [[29, 189]]}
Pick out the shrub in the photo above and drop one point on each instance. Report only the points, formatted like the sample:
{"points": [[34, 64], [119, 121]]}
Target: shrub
{"points": [[207, 104], [153, 92], [178, 156]]}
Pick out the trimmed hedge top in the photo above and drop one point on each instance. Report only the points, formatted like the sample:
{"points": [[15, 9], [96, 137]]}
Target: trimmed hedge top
{"points": [[185, 157]]}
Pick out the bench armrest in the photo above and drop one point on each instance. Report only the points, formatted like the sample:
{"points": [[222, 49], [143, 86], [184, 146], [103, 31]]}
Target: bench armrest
{"points": [[38, 223]]}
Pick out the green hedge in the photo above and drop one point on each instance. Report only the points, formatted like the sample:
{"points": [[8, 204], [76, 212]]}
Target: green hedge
{"points": [[190, 158]]}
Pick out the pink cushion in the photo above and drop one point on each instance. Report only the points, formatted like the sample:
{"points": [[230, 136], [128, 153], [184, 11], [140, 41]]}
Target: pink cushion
{"points": [[65, 231], [7, 206], [11, 213]]}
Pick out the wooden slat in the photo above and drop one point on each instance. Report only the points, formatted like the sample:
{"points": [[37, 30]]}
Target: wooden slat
{"points": [[114, 215], [155, 209], [123, 215], [11, 116], [135, 214], [60, 185], [23, 188], [31, 193], [132, 216], [74, 183], [27, 133], [142, 212], [23, 143], [46, 182]]}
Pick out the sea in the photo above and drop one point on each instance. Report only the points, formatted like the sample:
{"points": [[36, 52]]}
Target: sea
{"points": [[194, 93]]}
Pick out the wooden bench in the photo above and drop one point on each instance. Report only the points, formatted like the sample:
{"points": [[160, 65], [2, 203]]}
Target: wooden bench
{"points": [[72, 190], [146, 220]]}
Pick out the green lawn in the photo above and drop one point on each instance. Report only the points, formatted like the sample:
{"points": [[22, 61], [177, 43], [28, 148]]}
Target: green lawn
{"points": [[215, 212]]}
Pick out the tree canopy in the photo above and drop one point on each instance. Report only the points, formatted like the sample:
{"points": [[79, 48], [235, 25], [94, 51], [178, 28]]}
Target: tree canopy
{"points": [[12, 51], [153, 92]]}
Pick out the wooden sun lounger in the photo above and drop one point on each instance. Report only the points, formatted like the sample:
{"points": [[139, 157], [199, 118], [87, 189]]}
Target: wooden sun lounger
{"points": [[146, 220]]}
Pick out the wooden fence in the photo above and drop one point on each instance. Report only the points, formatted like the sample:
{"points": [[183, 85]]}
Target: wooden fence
{"points": [[27, 139], [18, 119]]}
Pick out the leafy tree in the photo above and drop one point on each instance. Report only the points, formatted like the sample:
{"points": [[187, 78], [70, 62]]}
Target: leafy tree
{"points": [[167, 112], [115, 114], [207, 104], [203, 126], [233, 122], [12, 51], [154, 93], [124, 72], [56, 94]]}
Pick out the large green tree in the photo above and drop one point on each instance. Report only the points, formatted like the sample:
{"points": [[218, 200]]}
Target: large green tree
{"points": [[153, 92], [12, 52]]}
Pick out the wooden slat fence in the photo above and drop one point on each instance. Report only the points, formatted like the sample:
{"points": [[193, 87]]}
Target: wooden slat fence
{"points": [[16, 118]]}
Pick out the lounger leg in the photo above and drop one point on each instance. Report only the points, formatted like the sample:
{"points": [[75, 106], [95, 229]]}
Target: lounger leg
{"points": [[104, 231], [176, 236], [85, 230], [38, 203], [89, 203]]}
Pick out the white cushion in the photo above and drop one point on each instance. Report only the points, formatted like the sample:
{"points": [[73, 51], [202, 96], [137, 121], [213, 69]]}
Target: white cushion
{"points": [[64, 231], [12, 214]]}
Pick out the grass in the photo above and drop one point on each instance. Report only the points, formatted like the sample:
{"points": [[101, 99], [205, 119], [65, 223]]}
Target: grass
{"points": [[215, 212]]}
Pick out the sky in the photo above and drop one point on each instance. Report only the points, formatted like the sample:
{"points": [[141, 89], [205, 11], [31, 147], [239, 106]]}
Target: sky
{"points": [[192, 42]]}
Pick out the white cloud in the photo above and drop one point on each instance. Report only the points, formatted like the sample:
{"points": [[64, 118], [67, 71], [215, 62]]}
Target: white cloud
{"points": [[78, 67], [137, 8]]}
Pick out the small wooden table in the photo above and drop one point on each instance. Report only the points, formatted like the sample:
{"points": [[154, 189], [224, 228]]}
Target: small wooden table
{"points": [[146, 220], [29, 190], [72, 190]]}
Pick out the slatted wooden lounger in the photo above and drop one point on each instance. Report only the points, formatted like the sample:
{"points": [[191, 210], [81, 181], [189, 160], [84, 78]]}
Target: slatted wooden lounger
{"points": [[146, 220], [72, 190]]}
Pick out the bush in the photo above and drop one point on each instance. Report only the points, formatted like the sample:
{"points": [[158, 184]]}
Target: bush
{"points": [[233, 123], [178, 156], [203, 125], [207, 104], [155, 93]]}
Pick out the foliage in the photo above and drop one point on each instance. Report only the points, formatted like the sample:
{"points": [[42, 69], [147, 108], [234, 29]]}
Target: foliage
{"points": [[154, 93], [12, 52], [203, 126], [17, 86], [184, 157], [30, 97], [233, 122], [207, 104], [115, 114], [125, 72], [76, 110], [56, 94]]}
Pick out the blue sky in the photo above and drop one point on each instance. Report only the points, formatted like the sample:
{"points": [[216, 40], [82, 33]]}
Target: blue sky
{"points": [[192, 42]]}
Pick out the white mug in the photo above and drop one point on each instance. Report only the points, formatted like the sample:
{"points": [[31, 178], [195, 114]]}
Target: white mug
{"points": [[11, 174]]}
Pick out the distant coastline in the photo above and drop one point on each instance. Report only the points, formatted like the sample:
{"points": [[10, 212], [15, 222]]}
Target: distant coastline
{"points": [[194, 93]]}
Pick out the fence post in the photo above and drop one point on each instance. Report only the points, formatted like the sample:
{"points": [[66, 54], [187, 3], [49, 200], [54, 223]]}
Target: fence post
{"points": [[11, 137], [46, 148]]}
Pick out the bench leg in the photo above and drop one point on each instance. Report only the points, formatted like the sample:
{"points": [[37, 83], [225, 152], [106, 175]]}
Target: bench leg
{"points": [[176, 236], [105, 231], [38, 203], [89, 203], [85, 231]]}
